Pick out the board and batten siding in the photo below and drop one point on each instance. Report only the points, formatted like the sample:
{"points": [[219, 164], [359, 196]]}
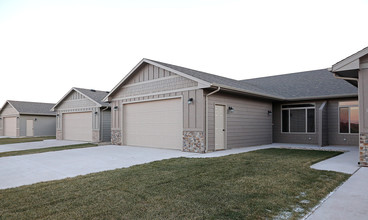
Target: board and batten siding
{"points": [[151, 83], [248, 125]]}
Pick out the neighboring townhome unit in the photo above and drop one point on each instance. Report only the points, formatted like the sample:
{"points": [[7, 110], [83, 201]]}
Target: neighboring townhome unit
{"points": [[168, 106], [18, 119], [81, 115]]}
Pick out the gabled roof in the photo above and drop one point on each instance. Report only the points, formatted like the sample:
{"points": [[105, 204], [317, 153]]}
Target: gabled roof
{"points": [[349, 63], [305, 85], [95, 96], [205, 80], [31, 108], [314, 84]]}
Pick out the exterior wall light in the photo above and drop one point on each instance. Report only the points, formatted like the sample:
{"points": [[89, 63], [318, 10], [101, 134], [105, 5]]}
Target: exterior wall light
{"points": [[57, 115], [269, 113], [231, 109], [190, 101], [96, 113], [115, 108], [35, 119]]}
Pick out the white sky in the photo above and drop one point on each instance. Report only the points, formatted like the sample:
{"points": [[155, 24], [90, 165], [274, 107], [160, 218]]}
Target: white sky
{"points": [[47, 47]]}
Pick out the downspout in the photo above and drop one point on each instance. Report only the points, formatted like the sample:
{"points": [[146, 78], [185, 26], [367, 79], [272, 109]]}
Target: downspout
{"points": [[211, 93], [345, 78]]}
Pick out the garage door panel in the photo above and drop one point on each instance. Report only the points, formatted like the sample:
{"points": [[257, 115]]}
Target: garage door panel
{"points": [[10, 126], [154, 124], [77, 126]]}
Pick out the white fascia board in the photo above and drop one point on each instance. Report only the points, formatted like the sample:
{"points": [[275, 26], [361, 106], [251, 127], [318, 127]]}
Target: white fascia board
{"points": [[201, 83], [8, 102], [250, 92], [98, 104], [53, 108], [350, 59], [121, 81]]}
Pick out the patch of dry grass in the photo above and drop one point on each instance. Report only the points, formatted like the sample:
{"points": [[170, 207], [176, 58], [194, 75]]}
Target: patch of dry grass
{"points": [[256, 185]]}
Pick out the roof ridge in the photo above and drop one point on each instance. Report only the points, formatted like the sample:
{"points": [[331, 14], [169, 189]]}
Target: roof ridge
{"points": [[31, 102], [285, 74]]}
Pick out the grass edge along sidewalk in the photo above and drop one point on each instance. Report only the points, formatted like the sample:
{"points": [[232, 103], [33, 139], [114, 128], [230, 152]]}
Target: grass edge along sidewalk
{"points": [[263, 184]]}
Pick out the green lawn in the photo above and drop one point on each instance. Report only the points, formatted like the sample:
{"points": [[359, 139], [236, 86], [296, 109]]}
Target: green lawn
{"points": [[22, 140], [262, 184], [43, 150]]}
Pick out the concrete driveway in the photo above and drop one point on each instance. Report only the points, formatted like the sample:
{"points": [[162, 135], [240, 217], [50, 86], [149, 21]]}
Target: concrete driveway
{"points": [[37, 145], [28, 169]]}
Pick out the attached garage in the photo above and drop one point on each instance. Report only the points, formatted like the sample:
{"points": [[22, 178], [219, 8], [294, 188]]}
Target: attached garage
{"points": [[10, 127], [154, 124], [83, 116], [31, 119], [77, 126]]}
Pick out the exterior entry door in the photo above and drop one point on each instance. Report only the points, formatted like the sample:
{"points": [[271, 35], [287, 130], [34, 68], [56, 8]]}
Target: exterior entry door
{"points": [[29, 128], [219, 127]]}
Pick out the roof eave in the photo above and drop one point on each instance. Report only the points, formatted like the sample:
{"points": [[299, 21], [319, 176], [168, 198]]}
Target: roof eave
{"points": [[202, 83], [251, 93], [323, 97]]}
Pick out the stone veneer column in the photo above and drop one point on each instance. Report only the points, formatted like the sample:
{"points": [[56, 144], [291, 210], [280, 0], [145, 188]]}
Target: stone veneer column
{"points": [[194, 141], [116, 137], [363, 149], [363, 111]]}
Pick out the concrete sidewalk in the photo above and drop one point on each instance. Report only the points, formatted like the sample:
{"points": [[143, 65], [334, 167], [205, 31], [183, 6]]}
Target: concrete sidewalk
{"points": [[37, 145], [350, 201]]}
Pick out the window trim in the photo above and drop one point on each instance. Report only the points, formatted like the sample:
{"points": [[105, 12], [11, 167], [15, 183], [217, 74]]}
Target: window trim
{"points": [[306, 117], [338, 116]]}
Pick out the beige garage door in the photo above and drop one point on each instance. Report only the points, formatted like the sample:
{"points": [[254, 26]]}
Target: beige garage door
{"points": [[10, 127], [154, 124], [77, 126]]}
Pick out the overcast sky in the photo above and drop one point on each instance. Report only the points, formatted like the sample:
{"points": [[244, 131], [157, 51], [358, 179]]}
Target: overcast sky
{"points": [[47, 47]]}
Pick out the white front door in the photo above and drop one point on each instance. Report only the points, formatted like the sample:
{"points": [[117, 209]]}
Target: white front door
{"points": [[219, 127], [29, 132]]}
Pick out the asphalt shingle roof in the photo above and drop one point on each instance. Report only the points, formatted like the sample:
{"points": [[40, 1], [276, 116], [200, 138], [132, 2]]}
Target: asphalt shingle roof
{"points": [[32, 107], [214, 79], [309, 84], [302, 85], [95, 95]]}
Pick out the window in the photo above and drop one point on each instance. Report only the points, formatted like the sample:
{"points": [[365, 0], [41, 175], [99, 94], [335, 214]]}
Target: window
{"points": [[298, 118], [348, 117]]}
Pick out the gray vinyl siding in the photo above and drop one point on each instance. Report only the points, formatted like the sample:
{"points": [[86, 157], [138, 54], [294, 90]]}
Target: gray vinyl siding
{"points": [[334, 137], [330, 123], [363, 101], [325, 126], [248, 125], [43, 126], [106, 125], [299, 138]]}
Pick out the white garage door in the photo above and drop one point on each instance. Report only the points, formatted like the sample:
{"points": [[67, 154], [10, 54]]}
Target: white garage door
{"points": [[154, 124], [10, 127], [77, 126]]}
